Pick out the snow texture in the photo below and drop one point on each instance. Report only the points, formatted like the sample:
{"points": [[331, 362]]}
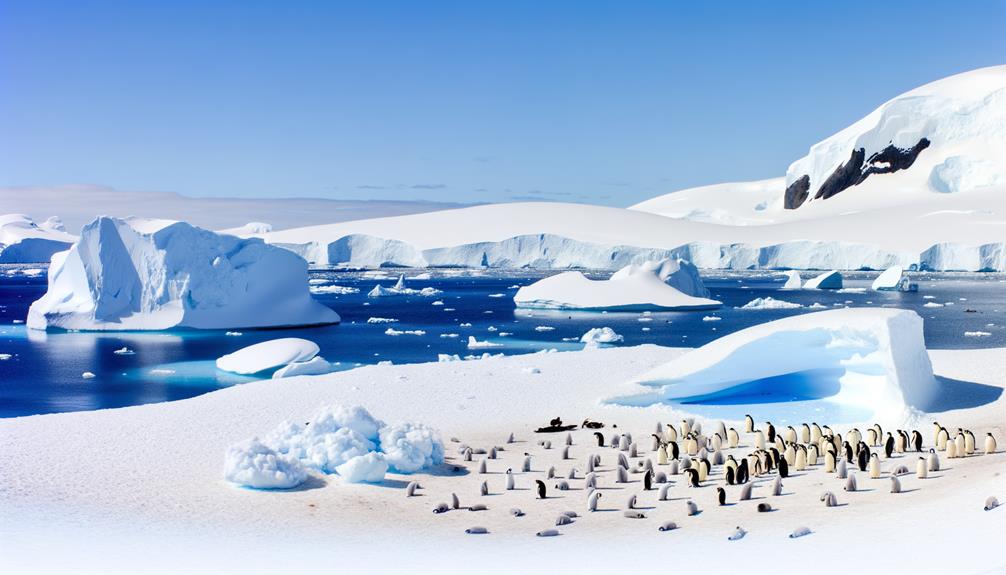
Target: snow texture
{"points": [[252, 464], [410, 447], [369, 468], [152, 275]]}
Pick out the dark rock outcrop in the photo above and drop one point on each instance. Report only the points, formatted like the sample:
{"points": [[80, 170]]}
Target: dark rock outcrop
{"points": [[797, 192], [855, 171]]}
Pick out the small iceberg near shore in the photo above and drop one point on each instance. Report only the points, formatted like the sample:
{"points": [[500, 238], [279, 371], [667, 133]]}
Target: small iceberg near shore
{"points": [[599, 335], [655, 285], [399, 289], [893, 279], [827, 280], [289, 356]]}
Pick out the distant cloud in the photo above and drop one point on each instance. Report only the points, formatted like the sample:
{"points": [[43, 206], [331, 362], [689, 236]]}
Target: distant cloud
{"points": [[370, 187], [484, 159], [428, 186], [528, 198]]}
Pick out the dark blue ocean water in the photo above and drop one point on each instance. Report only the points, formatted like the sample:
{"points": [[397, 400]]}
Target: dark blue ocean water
{"points": [[42, 371]]}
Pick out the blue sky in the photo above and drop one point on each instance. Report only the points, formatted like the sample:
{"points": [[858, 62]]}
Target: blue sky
{"points": [[601, 102]]}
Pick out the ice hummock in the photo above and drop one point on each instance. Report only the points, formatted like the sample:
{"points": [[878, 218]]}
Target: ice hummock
{"points": [[153, 275], [869, 361], [399, 289], [650, 285]]}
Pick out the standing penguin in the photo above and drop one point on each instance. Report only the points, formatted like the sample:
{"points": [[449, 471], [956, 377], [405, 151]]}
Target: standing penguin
{"points": [[874, 466], [969, 442], [485, 488], [733, 438], [843, 471], [921, 468], [850, 483], [934, 460], [742, 472], [691, 508], [889, 445], [748, 424], [509, 480], [829, 499], [805, 433], [942, 437], [746, 491], [951, 447], [783, 467], [721, 496], [648, 480], [895, 485], [990, 444], [664, 489], [829, 462], [863, 459], [693, 477], [777, 486], [600, 438], [541, 488], [673, 451], [917, 441], [592, 500], [769, 432]]}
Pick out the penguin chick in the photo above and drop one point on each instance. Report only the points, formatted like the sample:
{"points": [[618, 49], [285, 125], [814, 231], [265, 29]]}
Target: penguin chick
{"points": [[737, 534]]}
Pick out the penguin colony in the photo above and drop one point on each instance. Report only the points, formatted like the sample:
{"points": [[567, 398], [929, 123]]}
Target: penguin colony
{"points": [[687, 466]]}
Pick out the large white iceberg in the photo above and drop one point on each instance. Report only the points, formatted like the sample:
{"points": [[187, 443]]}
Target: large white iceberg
{"points": [[149, 275], [22, 241], [870, 359], [599, 335], [651, 285], [889, 280]]}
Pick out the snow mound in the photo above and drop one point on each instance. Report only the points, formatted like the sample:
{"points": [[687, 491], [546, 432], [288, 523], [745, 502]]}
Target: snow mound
{"points": [[889, 280], [601, 335], [150, 275], [252, 464], [369, 468], [410, 447], [267, 355], [356, 418], [827, 280], [22, 241], [650, 285], [769, 303], [873, 360]]}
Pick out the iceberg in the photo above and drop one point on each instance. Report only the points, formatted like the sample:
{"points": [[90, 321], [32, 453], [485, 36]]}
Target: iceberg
{"points": [[872, 360], [793, 280], [268, 355], [400, 289], [889, 280], [827, 280], [22, 241], [650, 285], [317, 365], [153, 275], [769, 303], [600, 335]]}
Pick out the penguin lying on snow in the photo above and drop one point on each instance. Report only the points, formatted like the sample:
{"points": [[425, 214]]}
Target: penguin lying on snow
{"points": [[476, 531], [799, 532], [738, 533], [829, 499], [991, 503], [667, 526], [547, 533], [478, 507], [691, 508], [633, 514], [764, 508]]}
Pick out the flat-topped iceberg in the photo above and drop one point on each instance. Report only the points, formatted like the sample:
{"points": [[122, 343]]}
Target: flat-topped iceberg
{"points": [[889, 280], [152, 275], [400, 289], [288, 356], [870, 360], [22, 241], [664, 284]]}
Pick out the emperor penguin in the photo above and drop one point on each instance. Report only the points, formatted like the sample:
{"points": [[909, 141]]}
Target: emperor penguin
{"points": [[934, 460], [410, 489], [805, 433], [880, 434], [951, 447], [550, 474], [829, 462], [850, 483], [691, 445], [674, 452], [789, 454], [717, 442], [661, 455], [569, 439], [847, 449], [590, 481], [921, 469], [703, 469], [874, 466], [511, 439], [509, 480], [721, 428], [812, 455], [895, 485], [729, 475], [829, 499], [969, 443], [616, 439], [691, 508], [686, 427], [990, 444], [936, 431], [541, 488], [901, 445], [991, 503], [590, 463], [783, 468], [721, 496], [572, 473], [631, 503], [871, 436], [670, 434], [648, 481], [742, 471], [737, 534], [623, 461], [492, 452], [659, 429], [769, 432], [664, 489], [656, 442], [622, 474], [748, 424], [660, 477], [565, 453], [592, 500], [961, 444], [889, 445], [733, 438], [624, 443], [759, 439], [718, 457], [485, 488], [672, 467], [843, 470], [917, 441], [526, 466], [693, 477], [600, 438], [455, 502], [863, 458], [790, 434], [667, 526], [482, 467], [815, 433], [467, 454], [942, 437], [633, 450], [777, 486]]}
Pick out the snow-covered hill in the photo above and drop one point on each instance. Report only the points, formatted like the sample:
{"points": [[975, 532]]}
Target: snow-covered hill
{"points": [[24, 241]]}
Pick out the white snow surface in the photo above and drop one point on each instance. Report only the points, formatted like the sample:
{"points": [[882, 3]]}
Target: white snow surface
{"points": [[648, 285], [267, 355], [22, 241], [155, 274], [876, 358]]}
